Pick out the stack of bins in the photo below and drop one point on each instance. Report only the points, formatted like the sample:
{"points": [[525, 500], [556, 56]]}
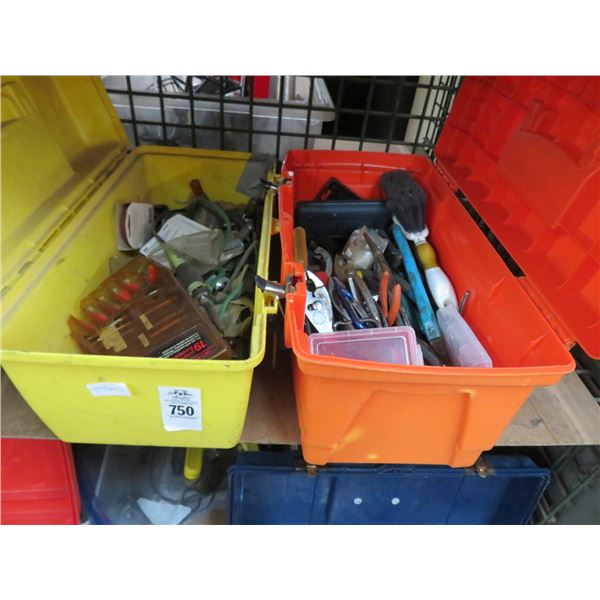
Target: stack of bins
{"points": [[64, 168], [523, 150], [39, 484]]}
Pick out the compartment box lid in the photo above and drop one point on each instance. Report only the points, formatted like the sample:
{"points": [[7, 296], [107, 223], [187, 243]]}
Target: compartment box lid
{"points": [[61, 137], [268, 488], [525, 151]]}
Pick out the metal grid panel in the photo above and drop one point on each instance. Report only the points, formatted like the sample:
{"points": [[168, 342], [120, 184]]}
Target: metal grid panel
{"points": [[180, 114], [575, 473]]}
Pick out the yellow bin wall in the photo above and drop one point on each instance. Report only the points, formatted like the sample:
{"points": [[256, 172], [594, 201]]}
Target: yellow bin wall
{"points": [[45, 364]]}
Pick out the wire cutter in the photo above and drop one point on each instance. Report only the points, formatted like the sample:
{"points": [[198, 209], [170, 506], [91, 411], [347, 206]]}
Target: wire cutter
{"points": [[350, 310], [391, 310]]}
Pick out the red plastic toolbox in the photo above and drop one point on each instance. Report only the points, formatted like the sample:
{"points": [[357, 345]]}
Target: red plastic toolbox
{"points": [[39, 483], [525, 152]]}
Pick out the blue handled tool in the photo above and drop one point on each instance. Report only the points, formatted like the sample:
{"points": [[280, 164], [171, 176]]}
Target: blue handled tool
{"points": [[427, 320], [348, 303], [352, 312]]}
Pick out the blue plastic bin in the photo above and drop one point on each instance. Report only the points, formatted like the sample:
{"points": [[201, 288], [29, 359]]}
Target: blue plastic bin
{"points": [[273, 488]]}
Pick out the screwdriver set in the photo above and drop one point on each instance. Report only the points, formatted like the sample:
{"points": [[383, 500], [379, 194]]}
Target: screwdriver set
{"points": [[142, 310]]}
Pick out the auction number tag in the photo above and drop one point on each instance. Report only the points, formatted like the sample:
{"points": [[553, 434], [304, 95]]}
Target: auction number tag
{"points": [[181, 408]]}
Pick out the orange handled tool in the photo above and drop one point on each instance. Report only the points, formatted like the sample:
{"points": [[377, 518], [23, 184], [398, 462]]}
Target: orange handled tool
{"points": [[384, 282], [395, 305], [391, 311]]}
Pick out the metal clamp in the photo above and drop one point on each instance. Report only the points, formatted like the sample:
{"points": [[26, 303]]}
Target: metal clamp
{"points": [[318, 308], [310, 470], [483, 469]]}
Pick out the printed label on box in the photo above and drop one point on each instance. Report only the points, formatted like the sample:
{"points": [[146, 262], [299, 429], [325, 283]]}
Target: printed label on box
{"points": [[181, 408], [105, 388]]}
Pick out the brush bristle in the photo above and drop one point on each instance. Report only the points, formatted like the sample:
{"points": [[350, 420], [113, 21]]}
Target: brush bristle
{"points": [[405, 198]]}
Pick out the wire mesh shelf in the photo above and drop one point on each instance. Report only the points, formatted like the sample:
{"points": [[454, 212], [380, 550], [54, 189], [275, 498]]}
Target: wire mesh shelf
{"points": [[390, 114]]}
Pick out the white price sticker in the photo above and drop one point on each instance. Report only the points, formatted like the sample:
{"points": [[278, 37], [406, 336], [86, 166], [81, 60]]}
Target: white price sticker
{"points": [[105, 388], [181, 408]]}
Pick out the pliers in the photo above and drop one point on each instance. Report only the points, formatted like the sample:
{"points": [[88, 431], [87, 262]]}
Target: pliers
{"points": [[326, 258], [391, 310], [318, 309], [350, 310], [367, 299]]}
